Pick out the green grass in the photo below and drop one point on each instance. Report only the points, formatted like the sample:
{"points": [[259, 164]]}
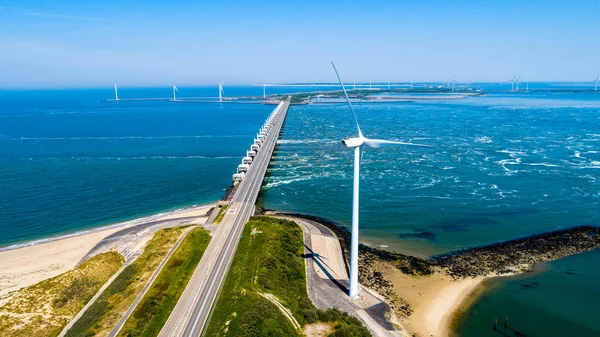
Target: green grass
{"points": [[269, 259], [102, 316], [221, 214], [153, 311], [48, 305]]}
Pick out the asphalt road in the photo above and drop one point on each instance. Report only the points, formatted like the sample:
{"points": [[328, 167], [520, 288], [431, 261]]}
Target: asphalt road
{"points": [[142, 293], [194, 306]]}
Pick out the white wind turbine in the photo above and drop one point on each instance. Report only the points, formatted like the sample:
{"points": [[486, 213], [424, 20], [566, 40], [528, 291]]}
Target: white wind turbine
{"points": [[518, 81], [174, 91], [116, 92], [596, 82], [513, 80], [221, 92], [357, 143]]}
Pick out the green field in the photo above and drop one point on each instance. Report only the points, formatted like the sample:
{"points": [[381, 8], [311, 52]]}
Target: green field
{"points": [[45, 308], [269, 261], [153, 311], [102, 316]]}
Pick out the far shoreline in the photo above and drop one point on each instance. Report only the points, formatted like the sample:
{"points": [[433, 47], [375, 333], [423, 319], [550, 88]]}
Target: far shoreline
{"points": [[110, 224], [39, 260]]}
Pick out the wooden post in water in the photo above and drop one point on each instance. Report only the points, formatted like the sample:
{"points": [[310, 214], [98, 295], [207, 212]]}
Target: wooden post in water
{"points": [[495, 323], [505, 321]]}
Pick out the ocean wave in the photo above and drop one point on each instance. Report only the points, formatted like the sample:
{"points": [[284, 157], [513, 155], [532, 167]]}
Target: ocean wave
{"points": [[129, 158], [484, 139], [124, 137], [306, 141]]}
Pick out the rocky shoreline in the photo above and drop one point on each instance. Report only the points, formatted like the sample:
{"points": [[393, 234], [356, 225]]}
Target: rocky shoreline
{"points": [[513, 256], [520, 254]]}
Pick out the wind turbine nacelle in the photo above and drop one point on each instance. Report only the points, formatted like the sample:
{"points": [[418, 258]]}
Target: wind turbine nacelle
{"points": [[353, 142]]}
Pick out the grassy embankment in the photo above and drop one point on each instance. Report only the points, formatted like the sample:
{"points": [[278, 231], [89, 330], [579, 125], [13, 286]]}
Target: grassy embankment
{"points": [[221, 214], [153, 311], [45, 308], [269, 261], [102, 316]]}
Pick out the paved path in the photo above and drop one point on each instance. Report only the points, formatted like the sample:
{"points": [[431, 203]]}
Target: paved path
{"points": [[333, 293], [142, 293], [193, 309]]}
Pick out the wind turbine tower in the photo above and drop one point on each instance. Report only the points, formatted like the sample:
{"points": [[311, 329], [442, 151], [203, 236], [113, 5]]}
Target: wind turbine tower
{"points": [[174, 93], [116, 92], [513, 80], [388, 85], [518, 81], [527, 85], [596, 82], [453, 80], [356, 143], [221, 92], [264, 91]]}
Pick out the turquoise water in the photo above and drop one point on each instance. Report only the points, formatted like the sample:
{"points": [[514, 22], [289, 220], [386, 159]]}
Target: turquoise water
{"points": [[558, 299], [70, 161], [504, 166]]}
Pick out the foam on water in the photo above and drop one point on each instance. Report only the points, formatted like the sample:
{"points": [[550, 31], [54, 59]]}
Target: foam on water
{"points": [[501, 168]]}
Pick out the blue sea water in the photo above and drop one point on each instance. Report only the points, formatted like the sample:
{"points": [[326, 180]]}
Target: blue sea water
{"points": [[71, 161], [503, 166]]}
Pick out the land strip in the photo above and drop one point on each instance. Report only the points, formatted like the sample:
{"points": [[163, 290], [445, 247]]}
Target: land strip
{"points": [[153, 311], [270, 260], [103, 314]]}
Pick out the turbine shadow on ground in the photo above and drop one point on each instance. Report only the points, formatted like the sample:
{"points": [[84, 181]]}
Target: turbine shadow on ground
{"points": [[317, 259]]}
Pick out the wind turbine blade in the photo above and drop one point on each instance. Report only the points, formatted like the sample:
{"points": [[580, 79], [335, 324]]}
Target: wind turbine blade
{"points": [[377, 143], [347, 99]]}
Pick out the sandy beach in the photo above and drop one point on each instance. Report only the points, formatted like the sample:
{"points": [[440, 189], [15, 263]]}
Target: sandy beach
{"points": [[30, 264], [434, 299]]}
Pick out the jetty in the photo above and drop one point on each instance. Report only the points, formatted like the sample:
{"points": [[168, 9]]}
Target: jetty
{"points": [[194, 307]]}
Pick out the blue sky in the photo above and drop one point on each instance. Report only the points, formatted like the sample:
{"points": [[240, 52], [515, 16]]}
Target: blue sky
{"points": [[147, 43]]}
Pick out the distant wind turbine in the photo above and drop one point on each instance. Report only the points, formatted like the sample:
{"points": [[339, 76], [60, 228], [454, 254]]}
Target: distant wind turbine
{"points": [[596, 82], [518, 81], [453, 80], [116, 92], [513, 80], [264, 91], [357, 143], [527, 86], [221, 92], [174, 91]]}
